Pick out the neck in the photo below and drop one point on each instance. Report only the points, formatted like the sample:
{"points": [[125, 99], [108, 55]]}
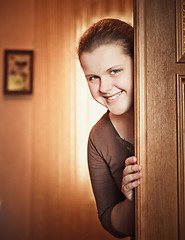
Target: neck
{"points": [[128, 116], [124, 124]]}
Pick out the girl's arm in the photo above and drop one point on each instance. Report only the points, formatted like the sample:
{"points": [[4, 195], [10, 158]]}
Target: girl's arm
{"points": [[122, 215]]}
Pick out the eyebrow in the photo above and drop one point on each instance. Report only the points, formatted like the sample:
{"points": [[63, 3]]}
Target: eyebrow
{"points": [[113, 67], [90, 75]]}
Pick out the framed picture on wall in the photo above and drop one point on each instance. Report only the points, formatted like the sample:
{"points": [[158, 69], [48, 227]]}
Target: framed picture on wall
{"points": [[18, 74]]}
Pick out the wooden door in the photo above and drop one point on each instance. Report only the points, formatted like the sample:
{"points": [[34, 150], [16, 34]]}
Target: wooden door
{"points": [[160, 96]]}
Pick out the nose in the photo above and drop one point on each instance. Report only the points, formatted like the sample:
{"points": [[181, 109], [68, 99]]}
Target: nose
{"points": [[105, 85]]}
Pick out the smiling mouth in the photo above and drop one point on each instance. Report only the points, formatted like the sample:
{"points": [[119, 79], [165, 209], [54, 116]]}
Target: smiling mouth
{"points": [[113, 97]]}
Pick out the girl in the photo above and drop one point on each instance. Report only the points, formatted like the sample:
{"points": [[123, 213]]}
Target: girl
{"points": [[106, 52]]}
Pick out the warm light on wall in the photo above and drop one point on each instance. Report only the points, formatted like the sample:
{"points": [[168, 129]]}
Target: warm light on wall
{"points": [[88, 112]]}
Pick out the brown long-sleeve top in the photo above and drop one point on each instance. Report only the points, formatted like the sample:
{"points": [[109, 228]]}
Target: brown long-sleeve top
{"points": [[107, 153]]}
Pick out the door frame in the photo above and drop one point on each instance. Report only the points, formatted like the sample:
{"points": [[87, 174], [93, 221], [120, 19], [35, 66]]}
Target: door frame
{"points": [[140, 116]]}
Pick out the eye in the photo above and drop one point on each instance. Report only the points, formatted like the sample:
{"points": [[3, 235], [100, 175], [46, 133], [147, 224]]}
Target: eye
{"points": [[91, 78], [115, 71]]}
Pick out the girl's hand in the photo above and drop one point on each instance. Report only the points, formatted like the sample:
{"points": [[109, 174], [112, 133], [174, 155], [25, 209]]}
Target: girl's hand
{"points": [[131, 177]]}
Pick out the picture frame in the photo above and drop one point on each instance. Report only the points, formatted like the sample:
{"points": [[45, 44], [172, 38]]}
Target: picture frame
{"points": [[18, 73]]}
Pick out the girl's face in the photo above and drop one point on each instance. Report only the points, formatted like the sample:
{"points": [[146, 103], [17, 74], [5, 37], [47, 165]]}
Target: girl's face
{"points": [[109, 73]]}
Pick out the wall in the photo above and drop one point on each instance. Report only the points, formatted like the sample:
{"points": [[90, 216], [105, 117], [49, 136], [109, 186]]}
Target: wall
{"points": [[44, 183], [16, 32]]}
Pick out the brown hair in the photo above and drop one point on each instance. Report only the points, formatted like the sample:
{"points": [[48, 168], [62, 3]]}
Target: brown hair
{"points": [[108, 31]]}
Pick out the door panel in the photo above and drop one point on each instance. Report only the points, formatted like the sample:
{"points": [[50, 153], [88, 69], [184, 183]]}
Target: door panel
{"points": [[159, 122], [181, 156]]}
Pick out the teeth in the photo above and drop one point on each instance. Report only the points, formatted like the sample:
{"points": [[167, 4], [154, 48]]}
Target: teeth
{"points": [[115, 96]]}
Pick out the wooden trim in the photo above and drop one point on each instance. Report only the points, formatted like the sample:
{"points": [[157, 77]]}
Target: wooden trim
{"points": [[180, 55], [140, 118], [181, 152]]}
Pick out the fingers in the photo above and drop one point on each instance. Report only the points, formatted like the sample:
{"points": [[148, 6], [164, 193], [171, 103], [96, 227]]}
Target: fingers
{"points": [[131, 177], [131, 166], [130, 160], [130, 186]]}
